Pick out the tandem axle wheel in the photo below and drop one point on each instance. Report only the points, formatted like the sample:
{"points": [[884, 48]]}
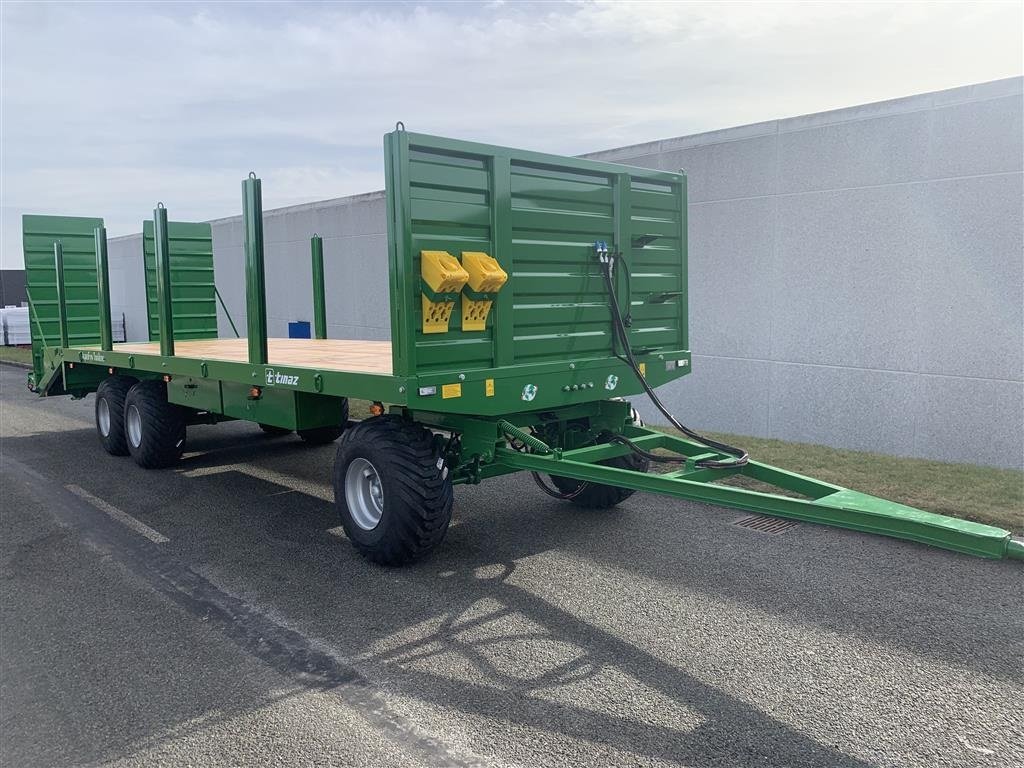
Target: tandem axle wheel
{"points": [[154, 428], [391, 491]]}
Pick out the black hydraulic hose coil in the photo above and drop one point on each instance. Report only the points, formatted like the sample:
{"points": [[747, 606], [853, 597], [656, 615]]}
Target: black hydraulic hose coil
{"points": [[742, 457]]}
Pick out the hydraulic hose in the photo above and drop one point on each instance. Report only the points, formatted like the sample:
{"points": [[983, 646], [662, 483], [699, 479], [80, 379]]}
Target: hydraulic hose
{"points": [[620, 331]]}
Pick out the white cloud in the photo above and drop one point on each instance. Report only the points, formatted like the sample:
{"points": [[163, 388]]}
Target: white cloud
{"points": [[109, 108]]}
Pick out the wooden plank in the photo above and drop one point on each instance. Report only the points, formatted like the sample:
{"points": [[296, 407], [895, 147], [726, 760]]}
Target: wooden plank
{"points": [[323, 354]]}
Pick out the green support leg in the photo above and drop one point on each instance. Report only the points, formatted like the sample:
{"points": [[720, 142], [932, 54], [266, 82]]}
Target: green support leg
{"points": [[103, 289], [255, 282], [165, 307], [316, 247], [62, 309]]}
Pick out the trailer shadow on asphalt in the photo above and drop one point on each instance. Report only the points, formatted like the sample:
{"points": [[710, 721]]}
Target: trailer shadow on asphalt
{"points": [[876, 593], [467, 631]]}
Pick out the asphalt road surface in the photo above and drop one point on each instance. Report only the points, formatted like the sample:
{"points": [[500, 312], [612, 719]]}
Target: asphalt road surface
{"points": [[212, 615]]}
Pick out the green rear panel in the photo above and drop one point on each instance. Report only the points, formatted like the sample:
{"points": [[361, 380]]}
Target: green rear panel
{"points": [[194, 300], [81, 297], [539, 216]]}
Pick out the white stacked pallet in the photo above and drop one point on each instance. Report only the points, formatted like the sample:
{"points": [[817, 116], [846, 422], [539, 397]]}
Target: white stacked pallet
{"points": [[16, 331]]}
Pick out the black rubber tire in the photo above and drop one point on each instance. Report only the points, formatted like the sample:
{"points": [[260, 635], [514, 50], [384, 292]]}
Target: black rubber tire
{"points": [[163, 426], [270, 429], [324, 435], [417, 494], [112, 392], [596, 496]]}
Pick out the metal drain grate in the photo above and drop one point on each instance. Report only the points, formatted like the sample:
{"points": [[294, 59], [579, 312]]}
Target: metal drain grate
{"points": [[765, 524]]}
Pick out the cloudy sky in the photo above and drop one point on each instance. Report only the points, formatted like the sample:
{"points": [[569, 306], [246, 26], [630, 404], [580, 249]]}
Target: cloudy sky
{"points": [[108, 108]]}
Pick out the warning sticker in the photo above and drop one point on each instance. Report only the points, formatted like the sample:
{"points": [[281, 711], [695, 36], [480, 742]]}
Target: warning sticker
{"points": [[451, 390]]}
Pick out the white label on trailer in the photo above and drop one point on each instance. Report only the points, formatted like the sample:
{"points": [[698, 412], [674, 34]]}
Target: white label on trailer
{"points": [[273, 377]]}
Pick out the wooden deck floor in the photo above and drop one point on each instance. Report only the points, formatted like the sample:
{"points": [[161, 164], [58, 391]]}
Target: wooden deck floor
{"points": [[324, 354]]}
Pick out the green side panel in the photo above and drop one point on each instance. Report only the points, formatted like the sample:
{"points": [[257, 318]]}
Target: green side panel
{"points": [[198, 394], [281, 407], [194, 299], [539, 216], [81, 296]]}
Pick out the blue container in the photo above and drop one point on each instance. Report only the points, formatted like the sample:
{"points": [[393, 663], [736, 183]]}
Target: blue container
{"points": [[299, 330]]}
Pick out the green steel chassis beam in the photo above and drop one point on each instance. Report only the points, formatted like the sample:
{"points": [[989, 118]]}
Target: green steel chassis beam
{"points": [[827, 504], [818, 502]]}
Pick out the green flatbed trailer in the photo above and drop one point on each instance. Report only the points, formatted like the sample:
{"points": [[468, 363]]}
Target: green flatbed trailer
{"points": [[529, 294]]}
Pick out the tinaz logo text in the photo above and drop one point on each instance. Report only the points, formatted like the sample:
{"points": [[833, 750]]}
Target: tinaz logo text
{"points": [[273, 377]]}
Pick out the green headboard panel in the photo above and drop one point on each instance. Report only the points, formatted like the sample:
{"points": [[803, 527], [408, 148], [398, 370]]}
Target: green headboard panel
{"points": [[539, 216], [81, 294]]}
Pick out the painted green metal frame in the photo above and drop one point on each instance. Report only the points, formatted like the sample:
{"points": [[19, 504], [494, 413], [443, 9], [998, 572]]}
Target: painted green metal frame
{"points": [[565, 433], [103, 288], [572, 377], [164, 295], [255, 282], [486, 452], [316, 248], [823, 503]]}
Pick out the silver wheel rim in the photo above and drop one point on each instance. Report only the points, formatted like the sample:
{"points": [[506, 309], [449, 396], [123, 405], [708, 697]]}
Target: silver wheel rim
{"points": [[103, 416], [364, 494], [133, 421]]}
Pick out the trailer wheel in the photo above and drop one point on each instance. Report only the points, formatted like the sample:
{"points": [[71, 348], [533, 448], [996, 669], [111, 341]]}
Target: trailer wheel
{"points": [[154, 428], [110, 397], [394, 499], [595, 496], [270, 429], [324, 435]]}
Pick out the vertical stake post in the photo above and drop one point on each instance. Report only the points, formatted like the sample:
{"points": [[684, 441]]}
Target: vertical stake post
{"points": [[103, 289], [165, 308], [62, 310], [255, 282], [316, 247]]}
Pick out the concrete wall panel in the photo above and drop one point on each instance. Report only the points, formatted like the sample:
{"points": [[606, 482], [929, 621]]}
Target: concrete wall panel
{"points": [[970, 420], [845, 279], [356, 275], [722, 394], [969, 313], [976, 138], [871, 410], [737, 168], [893, 302], [730, 273], [128, 285], [856, 153]]}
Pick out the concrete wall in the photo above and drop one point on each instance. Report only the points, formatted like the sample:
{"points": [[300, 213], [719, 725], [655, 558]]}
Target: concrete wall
{"points": [[855, 276], [354, 230], [128, 285], [355, 267]]}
